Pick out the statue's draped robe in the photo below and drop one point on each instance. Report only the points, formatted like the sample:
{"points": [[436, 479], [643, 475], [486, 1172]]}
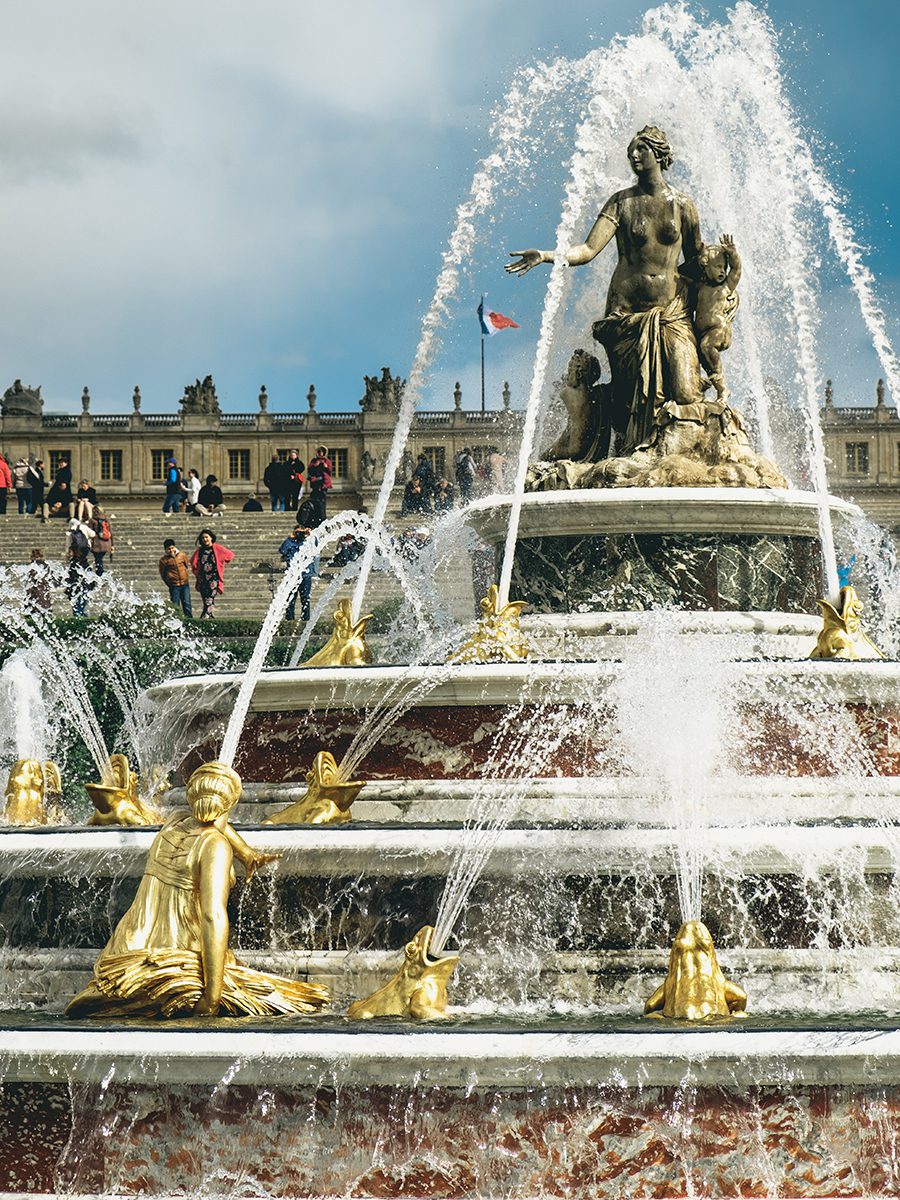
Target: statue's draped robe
{"points": [[153, 965], [655, 369]]}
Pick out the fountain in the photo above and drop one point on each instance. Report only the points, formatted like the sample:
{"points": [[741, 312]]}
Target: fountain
{"points": [[626, 852]]}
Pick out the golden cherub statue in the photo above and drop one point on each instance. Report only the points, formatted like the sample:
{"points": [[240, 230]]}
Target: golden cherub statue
{"points": [[695, 987], [419, 989], [169, 954], [118, 803], [33, 793], [498, 637], [842, 634], [327, 799], [347, 645]]}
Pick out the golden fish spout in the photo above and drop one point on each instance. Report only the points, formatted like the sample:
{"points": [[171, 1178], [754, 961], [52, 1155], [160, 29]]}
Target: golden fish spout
{"points": [[842, 635], [419, 989], [33, 793], [498, 637], [327, 798], [347, 645], [695, 988], [116, 800]]}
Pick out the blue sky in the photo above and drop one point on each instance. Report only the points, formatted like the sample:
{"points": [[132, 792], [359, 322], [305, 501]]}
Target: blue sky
{"points": [[263, 192]]}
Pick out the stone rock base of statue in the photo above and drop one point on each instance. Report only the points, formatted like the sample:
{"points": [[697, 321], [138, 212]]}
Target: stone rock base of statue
{"points": [[698, 445]]}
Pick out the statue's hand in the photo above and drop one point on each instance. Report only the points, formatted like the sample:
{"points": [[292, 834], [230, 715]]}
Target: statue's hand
{"points": [[727, 241], [257, 860], [527, 260]]}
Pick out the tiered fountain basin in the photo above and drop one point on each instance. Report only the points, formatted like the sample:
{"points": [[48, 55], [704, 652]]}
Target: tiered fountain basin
{"points": [[725, 549], [451, 729]]}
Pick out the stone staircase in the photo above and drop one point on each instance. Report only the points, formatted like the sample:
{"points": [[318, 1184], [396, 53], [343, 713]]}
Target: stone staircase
{"points": [[254, 537]]}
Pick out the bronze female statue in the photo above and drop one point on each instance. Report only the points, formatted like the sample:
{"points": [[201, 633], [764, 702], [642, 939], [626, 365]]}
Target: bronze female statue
{"points": [[655, 403], [647, 330], [169, 954]]}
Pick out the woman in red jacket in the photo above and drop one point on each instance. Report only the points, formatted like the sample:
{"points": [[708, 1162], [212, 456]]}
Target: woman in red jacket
{"points": [[208, 564]]}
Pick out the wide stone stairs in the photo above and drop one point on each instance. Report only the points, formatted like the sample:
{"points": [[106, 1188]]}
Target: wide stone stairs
{"points": [[249, 579]]}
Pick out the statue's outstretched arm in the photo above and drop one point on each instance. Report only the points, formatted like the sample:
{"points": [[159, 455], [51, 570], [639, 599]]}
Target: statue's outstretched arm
{"points": [[602, 233]]}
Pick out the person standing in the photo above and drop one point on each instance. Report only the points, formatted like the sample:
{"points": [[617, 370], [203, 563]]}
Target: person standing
{"points": [[273, 478], [208, 564], [174, 570], [37, 484], [424, 472], [294, 478], [288, 551], [192, 490], [172, 502], [22, 485], [37, 584], [60, 495], [319, 476], [102, 541], [76, 577], [6, 482], [465, 474]]}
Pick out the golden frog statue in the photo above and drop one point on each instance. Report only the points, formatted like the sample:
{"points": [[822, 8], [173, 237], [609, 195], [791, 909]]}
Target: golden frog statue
{"points": [[33, 793], [498, 637], [695, 987], [347, 645], [328, 796], [117, 802], [419, 989], [842, 634]]}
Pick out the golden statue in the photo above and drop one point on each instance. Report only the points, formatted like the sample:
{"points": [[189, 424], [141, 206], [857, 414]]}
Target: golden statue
{"points": [[695, 987], [842, 634], [498, 637], [118, 803], [169, 954], [347, 645], [33, 793], [327, 798], [419, 989]]}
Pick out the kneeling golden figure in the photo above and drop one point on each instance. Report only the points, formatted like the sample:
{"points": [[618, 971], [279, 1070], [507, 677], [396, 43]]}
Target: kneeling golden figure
{"points": [[695, 987], [347, 645], [33, 793], [169, 954], [419, 989]]}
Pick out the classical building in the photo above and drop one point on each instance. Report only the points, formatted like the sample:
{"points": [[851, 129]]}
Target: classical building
{"points": [[863, 450], [124, 455]]}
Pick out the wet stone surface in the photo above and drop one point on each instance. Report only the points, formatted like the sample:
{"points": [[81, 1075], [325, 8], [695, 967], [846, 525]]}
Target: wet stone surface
{"points": [[721, 572]]}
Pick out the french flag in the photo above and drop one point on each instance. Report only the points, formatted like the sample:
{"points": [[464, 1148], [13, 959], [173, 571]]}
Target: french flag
{"points": [[493, 322]]}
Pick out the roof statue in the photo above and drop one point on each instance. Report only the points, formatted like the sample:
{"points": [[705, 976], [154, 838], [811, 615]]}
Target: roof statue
{"points": [[200, 397], [384, 394], [20, 401]]}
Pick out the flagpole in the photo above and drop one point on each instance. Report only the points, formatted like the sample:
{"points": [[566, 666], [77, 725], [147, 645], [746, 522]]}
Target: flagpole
{"points": [[482, 355]]}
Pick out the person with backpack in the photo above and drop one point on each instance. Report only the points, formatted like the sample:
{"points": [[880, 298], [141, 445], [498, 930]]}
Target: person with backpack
{"points": [[288, 551], [174, 492], [102, 541], [37, 483], [22, 484], [77, 586], [465, 474], [319, 476]]}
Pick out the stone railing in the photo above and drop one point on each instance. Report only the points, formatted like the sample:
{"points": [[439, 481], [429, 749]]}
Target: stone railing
{"points": [[230, 420], [112, 421], [162, 420], [849, 413], [288, 420], [347, 420]]}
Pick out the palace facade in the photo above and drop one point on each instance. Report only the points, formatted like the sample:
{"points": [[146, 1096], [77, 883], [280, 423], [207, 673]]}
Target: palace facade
{"points": [[124, 455]]}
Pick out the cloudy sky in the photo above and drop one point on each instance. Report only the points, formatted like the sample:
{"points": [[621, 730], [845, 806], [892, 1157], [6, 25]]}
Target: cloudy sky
{"points": [[264, 191]]}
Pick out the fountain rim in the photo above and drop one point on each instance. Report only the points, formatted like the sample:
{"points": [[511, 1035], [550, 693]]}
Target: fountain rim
{"points": [[673, 510]]}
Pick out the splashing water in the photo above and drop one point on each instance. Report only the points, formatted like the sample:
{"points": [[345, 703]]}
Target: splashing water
{"points": [[21, 698]]}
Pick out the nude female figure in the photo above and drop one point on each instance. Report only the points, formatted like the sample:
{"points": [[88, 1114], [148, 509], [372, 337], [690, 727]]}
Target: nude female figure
{"points": [[646, 330]]}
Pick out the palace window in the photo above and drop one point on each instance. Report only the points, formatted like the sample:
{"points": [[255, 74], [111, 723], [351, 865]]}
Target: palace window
{"points": [[857, 458], [284, 455], [238, 464], [436, 455], [56, 457], [158, 460], [110, 465], [338, 463]]}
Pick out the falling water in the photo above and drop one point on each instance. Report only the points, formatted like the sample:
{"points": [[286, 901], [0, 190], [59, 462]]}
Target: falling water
{"points": [[22, 700]]}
